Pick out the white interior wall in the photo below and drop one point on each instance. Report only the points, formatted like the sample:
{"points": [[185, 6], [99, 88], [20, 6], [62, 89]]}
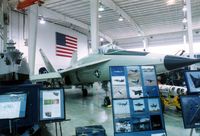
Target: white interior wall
{"points": [[45, 40]]}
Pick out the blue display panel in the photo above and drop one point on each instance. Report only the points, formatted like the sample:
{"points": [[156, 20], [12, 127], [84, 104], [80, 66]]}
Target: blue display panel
{"points": [[13, 105], [136, 104], [52, 104], [193, 81], [191, 110]]}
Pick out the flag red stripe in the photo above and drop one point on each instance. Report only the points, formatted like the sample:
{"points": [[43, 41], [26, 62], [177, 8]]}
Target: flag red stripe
{"points": [[64, 55], [64, 48], [67, 42], [71, 40], [67, 52], [71, 46], [71, 37]]}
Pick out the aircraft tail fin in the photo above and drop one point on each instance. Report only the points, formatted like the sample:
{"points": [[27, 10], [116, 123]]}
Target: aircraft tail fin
{"points": [[47, 63], [74, 58]]}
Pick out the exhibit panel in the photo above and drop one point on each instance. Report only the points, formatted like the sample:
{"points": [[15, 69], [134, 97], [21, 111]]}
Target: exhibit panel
{"points": [[52, 104], [136, 103]]}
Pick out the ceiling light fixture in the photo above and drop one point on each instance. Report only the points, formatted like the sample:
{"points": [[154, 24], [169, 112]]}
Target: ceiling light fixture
{"points": [[101, 7], [100, 16], [184, 20], [184, 8], [42, 20], [101, 39], [120, 18]]}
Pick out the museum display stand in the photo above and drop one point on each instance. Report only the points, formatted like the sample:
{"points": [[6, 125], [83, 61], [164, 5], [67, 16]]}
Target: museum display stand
{"points": [[136, 104]]}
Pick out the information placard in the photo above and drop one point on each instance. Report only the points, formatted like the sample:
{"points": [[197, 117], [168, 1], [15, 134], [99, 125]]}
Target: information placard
{"points": [[52, 105], [136, 103], [13, 105]]}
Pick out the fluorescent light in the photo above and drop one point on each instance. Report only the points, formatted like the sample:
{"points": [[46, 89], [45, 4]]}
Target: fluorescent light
{"points": [[120, 18], [184, 20], [101, 8], [42, 21], [184, 8]]}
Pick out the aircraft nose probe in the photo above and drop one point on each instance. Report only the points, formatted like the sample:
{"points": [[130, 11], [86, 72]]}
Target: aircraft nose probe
{"points": [[174, 62]]}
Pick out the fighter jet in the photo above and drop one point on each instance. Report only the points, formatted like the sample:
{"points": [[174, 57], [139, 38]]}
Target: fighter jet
{"points": [[95, 67], [138, 104], [153, 105]]}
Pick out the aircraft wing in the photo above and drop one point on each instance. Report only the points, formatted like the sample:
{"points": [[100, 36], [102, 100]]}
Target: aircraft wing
{"points": [[44, 77], [84, 65]]}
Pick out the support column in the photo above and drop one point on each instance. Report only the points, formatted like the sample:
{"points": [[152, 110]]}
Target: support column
{"points": [[5, 22], [145, 44], [94, 24], [189, 22], [32, 36]]}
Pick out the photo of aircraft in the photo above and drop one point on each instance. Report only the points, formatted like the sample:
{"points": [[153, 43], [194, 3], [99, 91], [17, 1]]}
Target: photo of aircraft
{"points": [[138, 104], [154, 105], [137, 92], [79, 70]]}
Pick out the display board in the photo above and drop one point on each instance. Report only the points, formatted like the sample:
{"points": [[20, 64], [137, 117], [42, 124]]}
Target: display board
{"points": [[136, 104], [13, 105], [193, 81], [191, 110], [52, 104]]}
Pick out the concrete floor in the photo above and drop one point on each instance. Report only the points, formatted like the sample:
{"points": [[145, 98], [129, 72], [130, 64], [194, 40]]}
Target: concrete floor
{"points": [[89, 111]]}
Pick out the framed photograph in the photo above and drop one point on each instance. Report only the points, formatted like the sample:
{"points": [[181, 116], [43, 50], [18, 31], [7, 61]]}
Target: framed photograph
{"points": [[149, 76], [154, 104], [139, 105], [121, 108], [190, 106], [134, 76], [136, 92], [119, 92], [193, 81], [123, 126], [151, 91], [13, 105], [156, 122], [141, 124], [52, 104], [118, 80]]}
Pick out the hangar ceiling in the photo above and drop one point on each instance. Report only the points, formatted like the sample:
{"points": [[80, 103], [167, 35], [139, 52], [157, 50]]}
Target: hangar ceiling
{"points": [[153, 17]]}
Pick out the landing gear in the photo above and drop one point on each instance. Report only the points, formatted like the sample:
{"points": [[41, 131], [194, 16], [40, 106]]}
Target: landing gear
{"points": [[84, 92], [107, 101]]}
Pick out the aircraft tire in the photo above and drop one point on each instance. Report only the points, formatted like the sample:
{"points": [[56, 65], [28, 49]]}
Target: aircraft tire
{"points": [[84, 92], [107, 101]]}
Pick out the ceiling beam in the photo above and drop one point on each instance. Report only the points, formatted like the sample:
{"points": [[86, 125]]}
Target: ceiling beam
{"points": [[47, 13], [110, 4]]}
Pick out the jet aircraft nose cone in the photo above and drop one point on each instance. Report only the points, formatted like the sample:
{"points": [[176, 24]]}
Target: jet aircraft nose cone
{"points": [[174, 62]]}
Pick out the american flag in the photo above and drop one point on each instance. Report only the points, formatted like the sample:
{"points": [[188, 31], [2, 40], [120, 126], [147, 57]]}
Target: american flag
{"points": [[65, 45]]}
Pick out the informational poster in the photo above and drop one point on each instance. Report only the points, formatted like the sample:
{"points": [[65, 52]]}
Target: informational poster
{"points": [[52, 104], [13, 106], [136, 103]]}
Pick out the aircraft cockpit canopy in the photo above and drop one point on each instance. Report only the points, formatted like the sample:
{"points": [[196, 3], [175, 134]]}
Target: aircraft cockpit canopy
{"points": [[111, 49]]}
